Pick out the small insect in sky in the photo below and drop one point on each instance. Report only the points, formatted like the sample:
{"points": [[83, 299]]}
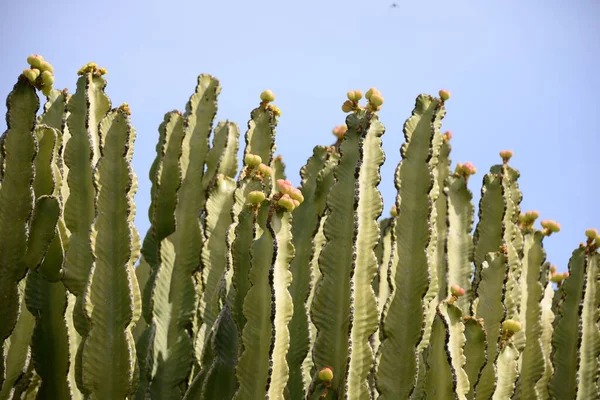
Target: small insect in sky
{"points": [[394, 5]]}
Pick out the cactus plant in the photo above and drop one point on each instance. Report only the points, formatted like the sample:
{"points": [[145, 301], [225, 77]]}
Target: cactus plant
{"points": [[250, 288]]}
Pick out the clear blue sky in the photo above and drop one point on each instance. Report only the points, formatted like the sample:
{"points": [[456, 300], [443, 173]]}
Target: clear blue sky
{"points": [[523, 76]]}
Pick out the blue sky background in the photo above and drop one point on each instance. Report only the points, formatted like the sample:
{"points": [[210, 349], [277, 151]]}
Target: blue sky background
{"points": [[523, 76]]}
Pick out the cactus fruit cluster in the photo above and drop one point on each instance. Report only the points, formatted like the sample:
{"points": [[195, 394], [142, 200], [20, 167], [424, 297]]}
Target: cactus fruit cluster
{"points": [[246, 287]]}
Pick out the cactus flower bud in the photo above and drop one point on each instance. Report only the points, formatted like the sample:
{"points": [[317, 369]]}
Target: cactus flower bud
{"points": [[326, 374], [340, 130], [47, 78], [531, 216], [376, 100], [46, 66], [348, 106], [506, 155], [469, 168], [354, 95], [296, 194], [511, 326], [371, 92], [284, 186], [553, 269], [457, 291], [558, 277], [286, 202], [252, 160], [35, 60], [265, 169], [256, 197], [394, 211], [550, 226], [591, 233], [267, 96], [444, 95], [447, 136], [31, 74]]}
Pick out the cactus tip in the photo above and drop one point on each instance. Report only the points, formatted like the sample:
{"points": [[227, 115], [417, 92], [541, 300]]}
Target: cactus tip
{"points": [[124, 108]]}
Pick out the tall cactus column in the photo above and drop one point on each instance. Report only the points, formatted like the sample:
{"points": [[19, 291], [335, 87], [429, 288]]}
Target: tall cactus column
{"points": [[18, 148], [405, 312], [344, 308], [112, 302]]}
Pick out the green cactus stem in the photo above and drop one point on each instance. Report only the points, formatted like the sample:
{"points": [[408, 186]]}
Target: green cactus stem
{"points": [[18, 149], [344, 308], [404, 314], [112, 301]]}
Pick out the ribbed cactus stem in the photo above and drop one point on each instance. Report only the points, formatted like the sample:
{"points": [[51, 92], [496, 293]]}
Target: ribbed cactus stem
{"points": [[344, 310], [404, 314], [18, 148], [317, 178], [112, 300]]}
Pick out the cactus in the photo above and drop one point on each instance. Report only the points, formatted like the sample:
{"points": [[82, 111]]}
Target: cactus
{"points": [[255, 289]]}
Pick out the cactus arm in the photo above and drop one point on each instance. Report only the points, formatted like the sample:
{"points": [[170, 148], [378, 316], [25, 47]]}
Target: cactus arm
{"points": [[50, 344], [531, 360], [222, 156], [346, 314], [565, 360], [228, 164], [442, 172], [41, 234], [507, 372], [489, 305], [404, 314], [488, 233], [142, 273], [262, 369], [278, 168], [281, 300], [513, 241], [219, 379], [167, 178], [317, 178], [446, 377], [55, 110], [589, 334], [475, 352], [547, 318], [108, 355], [86, 107], [308, 367], [16, 349], [459, 241], [174, 293], [18, 149], [259, 140], [214, 257], [384, 288]]}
